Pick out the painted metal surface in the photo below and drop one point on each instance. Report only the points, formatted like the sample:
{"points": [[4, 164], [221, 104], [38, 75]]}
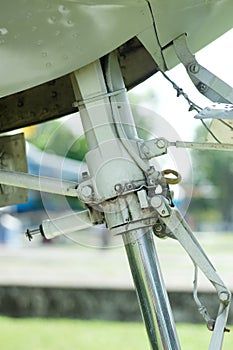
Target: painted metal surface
{"points": [[202, 20], [41, 40], [44, 39]]}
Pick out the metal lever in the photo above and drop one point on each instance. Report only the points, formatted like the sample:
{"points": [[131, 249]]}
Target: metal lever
{"points": [[181, 231], [157, 147], [206, 82]]}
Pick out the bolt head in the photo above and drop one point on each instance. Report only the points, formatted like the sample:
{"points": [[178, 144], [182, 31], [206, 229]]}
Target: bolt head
{"points": [[161, 143], [158, 227], [86, 191], [85, 175], [151, 181], [225, 297], [193, 68], [129, 186], [202, 87], [156, 201], [118, 188]]}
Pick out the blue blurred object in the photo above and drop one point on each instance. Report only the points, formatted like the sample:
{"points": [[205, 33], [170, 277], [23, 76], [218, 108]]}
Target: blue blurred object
{"points": [[50, 165]]}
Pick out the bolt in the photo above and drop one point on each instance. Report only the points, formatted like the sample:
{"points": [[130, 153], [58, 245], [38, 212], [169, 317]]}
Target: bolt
{"points": [[151, 181], [159, 231], [156, 201], [210, 325], [202, 87], [85, 175], [161, 143], [158, 227], [118, 188], [87, 191], [224, 297], [193, 68], [129, 187]]}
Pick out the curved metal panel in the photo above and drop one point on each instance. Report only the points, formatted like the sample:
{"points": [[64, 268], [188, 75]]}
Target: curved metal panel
{"points": [[202, 20], [41, 40]]}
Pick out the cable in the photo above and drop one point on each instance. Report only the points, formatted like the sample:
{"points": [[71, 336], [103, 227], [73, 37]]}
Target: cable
{"points": [[192, 105], [180, 92], [211, 133], [227, 124]]}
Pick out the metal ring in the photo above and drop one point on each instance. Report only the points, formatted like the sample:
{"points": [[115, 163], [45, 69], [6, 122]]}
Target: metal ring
{"points": [[169, 180]]}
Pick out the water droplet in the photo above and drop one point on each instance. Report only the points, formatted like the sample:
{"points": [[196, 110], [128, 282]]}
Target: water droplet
{"points": [[52, 20], [3, 31], [48, 64], [44, 54], [63, 9], [70, 23], [39, 42]]}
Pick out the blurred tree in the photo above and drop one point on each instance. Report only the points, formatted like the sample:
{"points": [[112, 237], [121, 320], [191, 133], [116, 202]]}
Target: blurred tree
{"points": [[213, 173], [56, 137]]}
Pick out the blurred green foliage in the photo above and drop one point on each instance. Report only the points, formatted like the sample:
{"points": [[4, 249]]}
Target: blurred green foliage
{"points": [[213, 175], [56, 137], [61, 334]]}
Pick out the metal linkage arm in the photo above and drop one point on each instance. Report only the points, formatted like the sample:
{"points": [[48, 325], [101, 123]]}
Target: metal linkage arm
{"points": [[157, 147], [38, 183], [181, 231], [206, 82]]}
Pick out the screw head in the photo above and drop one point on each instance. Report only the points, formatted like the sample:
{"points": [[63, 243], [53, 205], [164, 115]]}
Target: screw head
{"points": [[193, 68], [202, 87], [129, 186], [118, 188]]}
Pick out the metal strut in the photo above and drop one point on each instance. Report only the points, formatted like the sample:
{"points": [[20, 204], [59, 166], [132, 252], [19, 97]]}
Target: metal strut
{"points": [[176, 224], [114, 162]]}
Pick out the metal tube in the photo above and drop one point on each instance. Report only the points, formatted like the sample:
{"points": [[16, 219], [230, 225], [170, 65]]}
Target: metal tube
{"points": [[151, 291], [66, 224], [38, 183], [211, 146]]}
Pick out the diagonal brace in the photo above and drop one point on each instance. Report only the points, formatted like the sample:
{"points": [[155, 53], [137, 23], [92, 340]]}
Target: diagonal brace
{"points": [[181, 231]]}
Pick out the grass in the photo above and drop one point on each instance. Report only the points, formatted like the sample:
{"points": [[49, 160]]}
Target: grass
{"points": [[62, 334]]}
